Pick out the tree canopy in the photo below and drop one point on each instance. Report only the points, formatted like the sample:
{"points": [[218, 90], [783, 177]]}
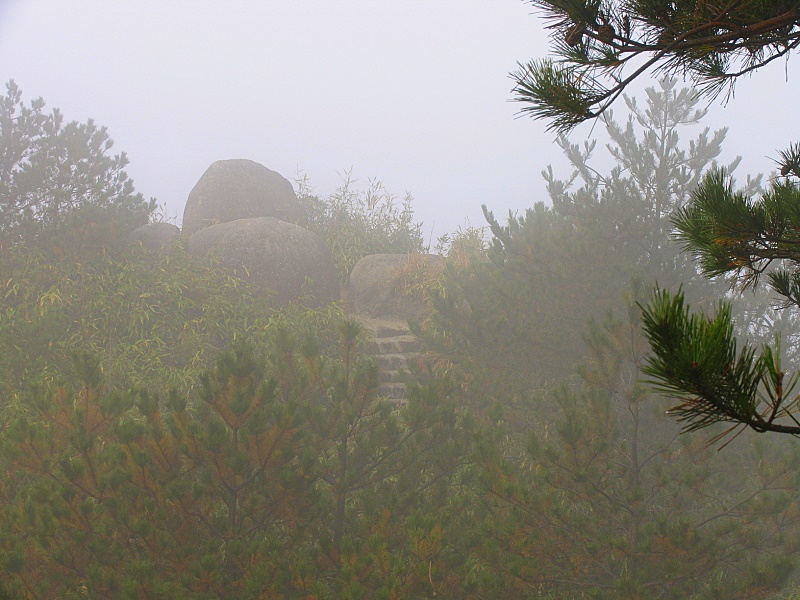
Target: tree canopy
{"points": [[49, 169], [697, 357], [603, 46], [138, 459], [579, 255]]}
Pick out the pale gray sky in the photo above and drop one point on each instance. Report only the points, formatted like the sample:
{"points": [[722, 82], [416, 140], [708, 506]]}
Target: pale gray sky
{"points": [[412, 92]]}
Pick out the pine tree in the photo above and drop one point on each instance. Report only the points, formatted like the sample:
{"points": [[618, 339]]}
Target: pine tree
{"points": [[385, 473], [696, 357], [604, 46], [287, 476], [552, 268], [608, 501], [123, 495], [49, 170]]}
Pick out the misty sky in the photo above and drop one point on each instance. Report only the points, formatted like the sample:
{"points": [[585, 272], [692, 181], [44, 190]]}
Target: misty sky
{"points": [[414, 93]]}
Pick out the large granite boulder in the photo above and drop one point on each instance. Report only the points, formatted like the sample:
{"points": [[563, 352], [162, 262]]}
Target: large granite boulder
{"points": [[156, 237], [239, 189], [282, 259], [384, 285]]}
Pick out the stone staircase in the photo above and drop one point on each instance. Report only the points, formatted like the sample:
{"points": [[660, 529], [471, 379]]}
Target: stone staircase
{"points": [[392, 346]]}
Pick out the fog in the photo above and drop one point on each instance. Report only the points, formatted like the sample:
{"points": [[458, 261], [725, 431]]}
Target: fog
{"points": [[293, 397], [413, 93]]}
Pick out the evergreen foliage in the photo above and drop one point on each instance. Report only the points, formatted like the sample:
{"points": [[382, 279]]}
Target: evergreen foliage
{"points": [[567, 262], [608, 501], [714, 43], [604, 499], [700, 363], [49, 169], [604, 46], [165, 434], [696, 360], [287, 476]]}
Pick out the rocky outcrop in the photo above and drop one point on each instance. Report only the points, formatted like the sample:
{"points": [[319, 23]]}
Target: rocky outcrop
{"points": [[382, 285], [239, 189], [240, 216], [156, 237], [283, 259]]}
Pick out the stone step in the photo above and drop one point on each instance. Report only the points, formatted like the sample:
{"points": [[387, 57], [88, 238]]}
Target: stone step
{"points": [[394, 361], [391, 376], [390, 330], [392, 347], [383, 327], [400, 344], [392, 391]]}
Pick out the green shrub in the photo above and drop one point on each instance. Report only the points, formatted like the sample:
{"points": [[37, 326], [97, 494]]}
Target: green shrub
{"points": [[358, 222]]}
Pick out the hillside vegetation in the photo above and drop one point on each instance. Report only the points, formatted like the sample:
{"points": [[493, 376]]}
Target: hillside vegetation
{"points": [[167, 433]]}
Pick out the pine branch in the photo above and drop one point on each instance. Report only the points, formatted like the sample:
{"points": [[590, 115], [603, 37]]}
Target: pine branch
{"points": [[596, 41]]}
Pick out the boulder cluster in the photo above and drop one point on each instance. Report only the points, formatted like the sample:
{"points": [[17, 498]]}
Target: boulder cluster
{"points": [[243, 217]]}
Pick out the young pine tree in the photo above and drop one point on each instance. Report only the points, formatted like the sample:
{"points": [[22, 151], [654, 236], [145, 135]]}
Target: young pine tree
{"points": [[609, 501], [518, 316]]}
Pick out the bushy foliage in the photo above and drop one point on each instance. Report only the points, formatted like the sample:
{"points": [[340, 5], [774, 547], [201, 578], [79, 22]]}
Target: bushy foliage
{"points": [[49, 169], [714, 44], [356, 223], [168, 434], [279, 477], [156, 319], [607, 500], [592, 491], [78, 284], [521, 309], [284, 474]]}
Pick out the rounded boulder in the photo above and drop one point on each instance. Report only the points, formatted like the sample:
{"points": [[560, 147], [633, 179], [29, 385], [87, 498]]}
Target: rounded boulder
{"points": [[283, 259], [386, 285], [239, 189]]}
